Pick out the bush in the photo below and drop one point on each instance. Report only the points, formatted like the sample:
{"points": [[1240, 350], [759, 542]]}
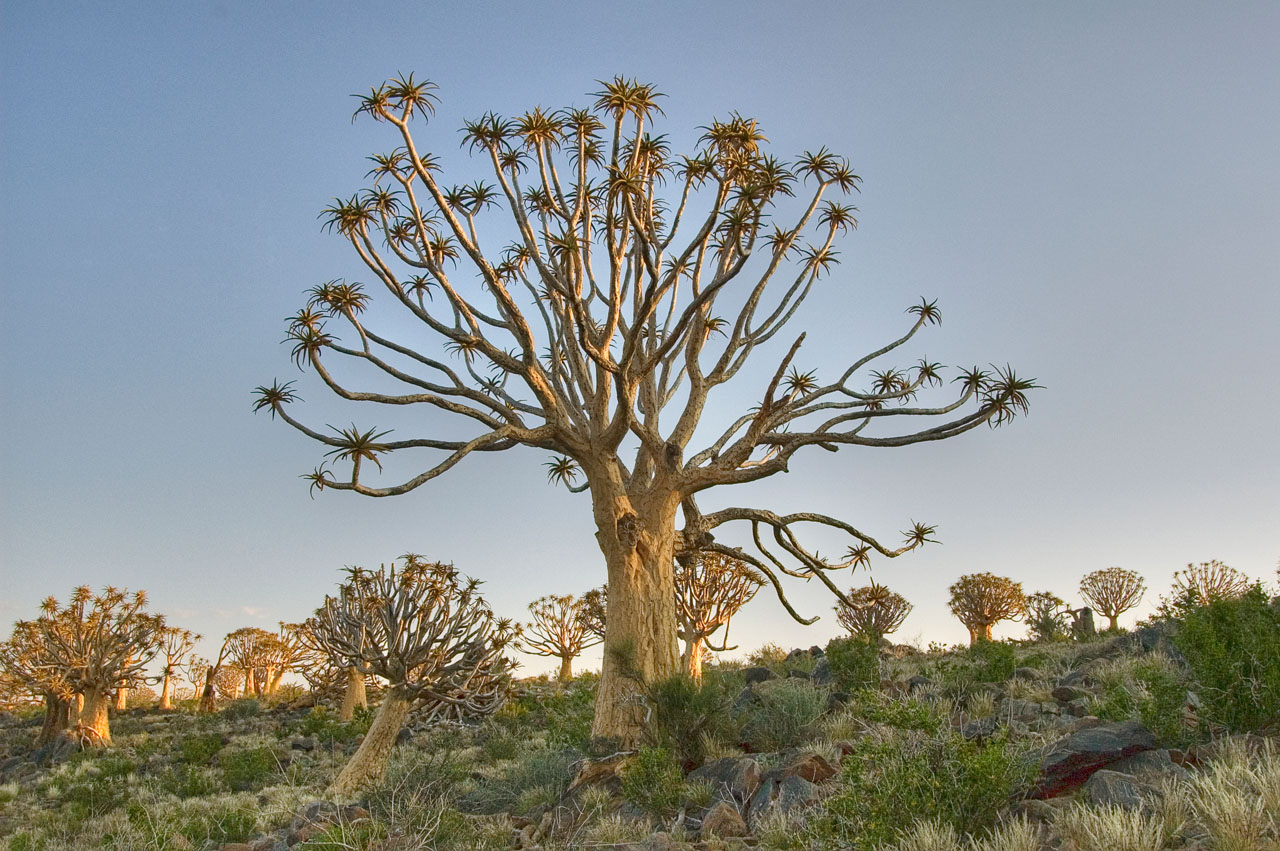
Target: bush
{"points": [[653, 782], [325, 726], [1233, 648], [540, 773], [248, 769], [686, 717], [993, 661], [939, 776], [245, 707], [855, 663], [1153, 693], [782, 713], [200, 750]]}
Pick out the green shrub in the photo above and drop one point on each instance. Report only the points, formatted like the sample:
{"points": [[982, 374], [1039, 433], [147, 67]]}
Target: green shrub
{"points": [[907, 713], [1153, 693], [200, 750], [855, 663], [938, 776], [248, 769], [245, 707], [993, 661], [546, 769], [189, 781], [653, 782], [686, 717], [783, 712], [324, 725], [1233, 648], [220, 821]]}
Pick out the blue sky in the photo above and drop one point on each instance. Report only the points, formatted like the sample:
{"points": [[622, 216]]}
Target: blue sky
{"points": [[1090, 190]]}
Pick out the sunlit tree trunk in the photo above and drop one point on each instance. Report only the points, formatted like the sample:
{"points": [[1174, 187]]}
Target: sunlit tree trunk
{"points": [[353, 695], [94, 716], [166, 686], [566, 669], [273, 682], [979, 632], [208, 698], [369, 762], [122, 698], [691, 659], [249, 684], [640, 632]]}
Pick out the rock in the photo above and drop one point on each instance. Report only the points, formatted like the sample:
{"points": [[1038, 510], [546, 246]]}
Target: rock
{"points": [[812, 767], [821, 675], [837, 699], [1066, 694], [758, 674], [304, 744], [1026, 674], [733, 779], [1079, 707], [797, 674], [1075, 678], [983, 728], [918, 681], [1149, 764], [236, 846], [1069, 762], [1035, 811], [781, 794], [817, 652], [743, 701], [1106, 788], [597, 772], [1015, 709], [723, 820]]}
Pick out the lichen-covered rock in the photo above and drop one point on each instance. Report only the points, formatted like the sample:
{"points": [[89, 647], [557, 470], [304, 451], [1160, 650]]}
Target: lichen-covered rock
{"points": [[1070, 761], [781, 795], [1107, 788], [723, 820], [733, 779]]}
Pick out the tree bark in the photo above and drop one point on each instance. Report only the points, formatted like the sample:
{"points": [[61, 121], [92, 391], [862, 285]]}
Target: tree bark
{"points": [[1115, 621], [979, 632], [122, 698], [638, 542], [369, 762], [694, 652], [94, 716], [208, 702], [57, 717], [273, 685], [250, 687], [353, 695], [166, 702], [566, 669]]}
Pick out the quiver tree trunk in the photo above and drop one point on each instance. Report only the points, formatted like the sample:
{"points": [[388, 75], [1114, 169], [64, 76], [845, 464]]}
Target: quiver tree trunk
{"points": [[94, 720], [273, 683], [566, 669], [166, 687], [208, 695], [122, 698], [691, 659], [58, 713], [369, 762], [250, 684], [353, 695], [640, 630], [979, 632]]}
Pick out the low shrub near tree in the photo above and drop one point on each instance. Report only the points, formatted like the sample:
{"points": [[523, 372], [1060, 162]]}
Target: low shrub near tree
{"points": [[855, 663]]}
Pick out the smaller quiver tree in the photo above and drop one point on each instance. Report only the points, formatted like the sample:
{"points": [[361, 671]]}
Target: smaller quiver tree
{"points": [[175, 645], [287, 652], [330, 673], [248, 650], [1046, 616], [981, 600], [1113, 591], [710, 589], [595, 607], [872, 612], [26, 670], [1209, 580], [558, 628], [429, 634], [98, 642]]}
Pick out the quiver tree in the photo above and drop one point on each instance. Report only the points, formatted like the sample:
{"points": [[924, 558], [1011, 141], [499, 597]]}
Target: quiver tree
{"points": [[595, 606], [872, 611], [558, 628], [175, 645], [710, 589], [1209, 580], [330, 669], [1046, 616], [981, 600], [26, 666], [429, 634], [97, 642], [1113, 591], [248, 650], [634, 282]]}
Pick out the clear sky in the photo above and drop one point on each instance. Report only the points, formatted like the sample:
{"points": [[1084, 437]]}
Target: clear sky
{"points": [[1091, 190]]}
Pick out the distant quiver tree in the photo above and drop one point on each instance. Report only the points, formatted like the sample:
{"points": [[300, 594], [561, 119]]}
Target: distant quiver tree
{"points": [[428, 633], [1113, 591], [710, 589], [872, 612], [981, 600], [1046, 616], [1209, 580], [558, 627], [588, 299]]}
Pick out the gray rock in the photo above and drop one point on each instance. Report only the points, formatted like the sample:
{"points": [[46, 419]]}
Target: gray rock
{"points": [[1106, 788], [1149, 764], [781, 794], [918, 681], [1016, 709], [821, 675], [758, 674], [723, 820], [983, 728], [1075, 678], [1070, 761], [733, 779], [1026, 674], [1066, 694], [1079, 707]]}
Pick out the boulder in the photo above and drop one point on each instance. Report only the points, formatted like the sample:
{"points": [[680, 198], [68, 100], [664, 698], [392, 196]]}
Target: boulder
{"points": [[1066, 694], [1106, 788], [733, 779], [723, 820], [758, 674], [811, 766], [1070, 761], [821, 675], [1026, 674], [779, 794], [918, 681]]}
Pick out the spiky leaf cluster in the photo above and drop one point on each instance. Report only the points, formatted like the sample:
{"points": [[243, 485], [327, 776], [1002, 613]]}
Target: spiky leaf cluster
{"points": [[872, 611], [1113, 590]]}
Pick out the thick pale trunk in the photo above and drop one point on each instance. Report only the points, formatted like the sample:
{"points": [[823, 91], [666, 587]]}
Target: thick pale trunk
{"points": [[979, 632], [166, 700], [369, 762], [273, 685], [1115, 622], [694, 651], [249, 685], [208, 700], [122, 698], [93, 718], [566, 669], [57, 717], [353, 695], [638, 543]]}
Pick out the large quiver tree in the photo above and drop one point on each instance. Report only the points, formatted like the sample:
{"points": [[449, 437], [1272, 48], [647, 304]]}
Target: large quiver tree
{"points": [[97, 642], [634, 282], [710, 589], [1209, 580], [558, 627], [1113, 591], [982, 600], [430, 635], [27, 668], [872, 611]]}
